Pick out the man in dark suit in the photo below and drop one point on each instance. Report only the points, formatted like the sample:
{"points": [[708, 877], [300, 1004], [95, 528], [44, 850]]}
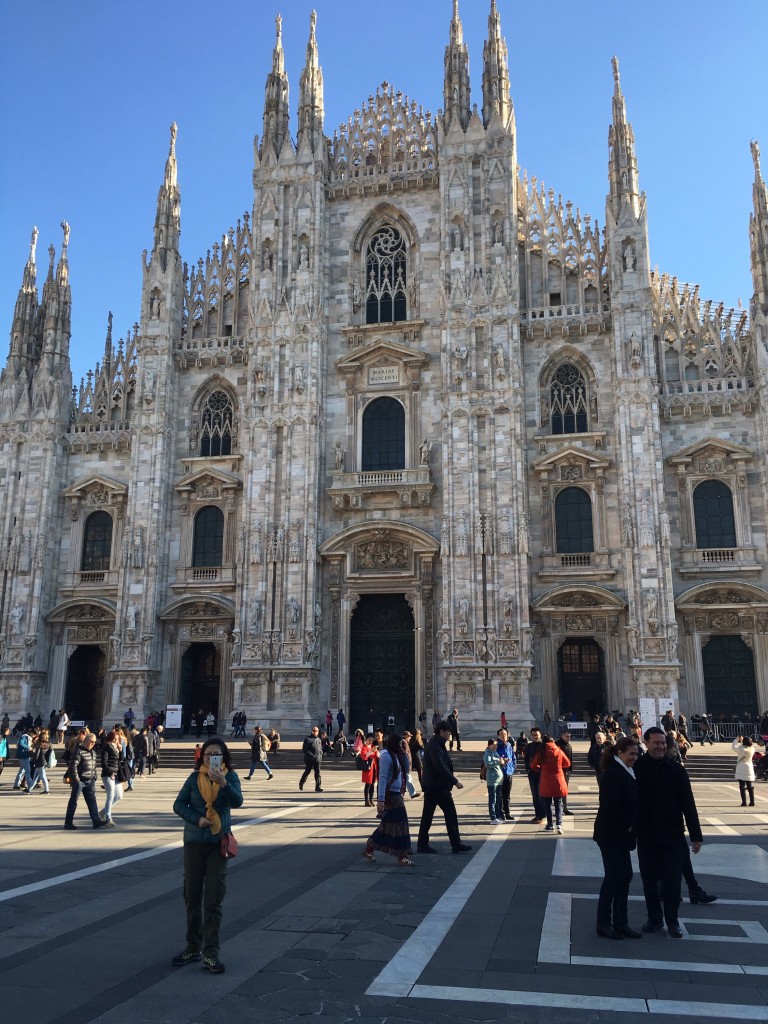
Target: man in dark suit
{"points": [[313, 756], [665, 799], [453, 725], [437, 781]]}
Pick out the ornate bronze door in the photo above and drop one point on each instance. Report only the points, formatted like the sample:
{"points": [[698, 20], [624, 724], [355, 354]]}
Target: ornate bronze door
{"points": [[582, 682], [729, 678], [382, 673], [84, 694], [200, 677]]}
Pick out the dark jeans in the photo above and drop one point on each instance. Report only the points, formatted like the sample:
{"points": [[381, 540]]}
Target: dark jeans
{"points": [[369, 790], [533, 781], [205, 885], [313, 767], [661, 869], [614, 892], [439, 798], [506, 793], [88, 789]]}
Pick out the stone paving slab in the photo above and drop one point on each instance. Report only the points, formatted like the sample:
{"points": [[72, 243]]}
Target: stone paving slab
{"points": [[309, 926]]}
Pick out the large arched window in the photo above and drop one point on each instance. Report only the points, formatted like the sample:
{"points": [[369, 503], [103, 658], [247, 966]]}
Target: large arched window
{"points": [[568, 401], [573, 521], [713, 514], [97, 543], [216, 425], [383, 435], [208, 546], [386, 278]]}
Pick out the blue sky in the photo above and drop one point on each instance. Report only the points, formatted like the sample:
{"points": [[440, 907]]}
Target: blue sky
{"points": [[90, 88]]}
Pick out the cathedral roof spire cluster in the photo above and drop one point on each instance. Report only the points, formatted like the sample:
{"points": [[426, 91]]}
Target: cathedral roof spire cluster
{"points": [[496, 92], [168, 217], [276, 110], [311, 111], [456, 90], [758, 234], [622, 160]]}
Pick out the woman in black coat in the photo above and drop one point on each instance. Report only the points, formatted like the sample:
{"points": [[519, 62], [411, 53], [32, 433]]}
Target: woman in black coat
{"points": [[616, 835]]}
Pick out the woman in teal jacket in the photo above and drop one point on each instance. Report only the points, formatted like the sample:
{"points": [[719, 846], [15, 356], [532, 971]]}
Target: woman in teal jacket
{"points": [[204, 803]]}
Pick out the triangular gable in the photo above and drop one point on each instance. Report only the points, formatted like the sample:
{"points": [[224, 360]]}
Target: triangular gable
{"points": [[108, 483], [378, 349], [571, 453], [228, 481], [684, 455]]}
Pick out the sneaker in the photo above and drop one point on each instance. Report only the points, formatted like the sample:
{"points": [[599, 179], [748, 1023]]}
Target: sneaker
{"points": [[569, 813], [69, 825], [186, 957], [559, 830], [495, 821], [537, 821], [110, 823], [213, 964], [549, 828], [462, 848]]}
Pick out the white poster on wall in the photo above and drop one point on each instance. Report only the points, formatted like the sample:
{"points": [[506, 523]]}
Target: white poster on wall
{"points": [[665, 705], [173, 716], [647, 711]]}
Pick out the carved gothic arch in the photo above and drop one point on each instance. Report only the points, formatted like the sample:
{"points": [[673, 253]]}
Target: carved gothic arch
{"points": [[381, 215], [567, 354], [183, 607], [582, 596], [216, 382]]}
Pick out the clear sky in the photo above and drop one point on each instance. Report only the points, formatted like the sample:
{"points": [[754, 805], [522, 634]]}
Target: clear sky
{"points": [[90, 88]]}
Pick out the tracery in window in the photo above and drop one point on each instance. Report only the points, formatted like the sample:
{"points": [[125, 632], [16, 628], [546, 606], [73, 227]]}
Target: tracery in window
{"points": [[386, 278], [97, 542], [568, 397], [216, 425]]}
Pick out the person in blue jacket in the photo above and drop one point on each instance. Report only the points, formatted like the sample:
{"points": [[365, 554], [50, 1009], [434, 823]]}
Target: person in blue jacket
{"points": [[505, 748], [205, 802]]}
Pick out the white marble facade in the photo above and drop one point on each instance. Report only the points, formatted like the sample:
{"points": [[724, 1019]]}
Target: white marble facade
{"points": [[532, 356]]}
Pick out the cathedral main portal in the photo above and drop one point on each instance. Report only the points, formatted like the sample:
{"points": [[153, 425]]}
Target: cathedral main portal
{"points": [[582, 677], [200, 679], [382, 675], [84, 693]]}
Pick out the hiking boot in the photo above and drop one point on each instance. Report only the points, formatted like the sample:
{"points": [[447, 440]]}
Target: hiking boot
{"points": [[186, 957], [213, 964]]}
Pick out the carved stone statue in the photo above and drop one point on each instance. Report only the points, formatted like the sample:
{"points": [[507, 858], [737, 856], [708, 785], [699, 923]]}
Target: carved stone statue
{"points": [[462, 606], [16, 616], [424, 451], [130, 616], [633, 635], [298, 378], [137, 548], [523, 533], [629, 258], [294, 610], [338, 455]]}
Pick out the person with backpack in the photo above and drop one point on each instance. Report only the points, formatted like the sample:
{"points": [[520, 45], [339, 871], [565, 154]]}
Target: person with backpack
{"points": [[493, 771], [42, 756], [259, 752], [4, 733], [23, 753], [505, 748]]}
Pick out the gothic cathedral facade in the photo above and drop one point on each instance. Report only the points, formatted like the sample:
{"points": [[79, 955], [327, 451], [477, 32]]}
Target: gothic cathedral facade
{"points": [[415, 434]]}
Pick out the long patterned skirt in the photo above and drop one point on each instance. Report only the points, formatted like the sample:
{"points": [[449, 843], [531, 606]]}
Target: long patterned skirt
{"points": [[393, 834]]}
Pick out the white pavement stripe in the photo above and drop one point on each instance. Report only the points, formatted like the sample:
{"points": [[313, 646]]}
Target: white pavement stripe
{"points": [[721, 827], [555, 942], [558, 1000], [403, 970], [132, 858], [656, 965]]}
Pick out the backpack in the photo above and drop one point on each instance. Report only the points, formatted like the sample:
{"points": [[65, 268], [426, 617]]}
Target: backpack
{"points": [[483, 772], [50, 758]]}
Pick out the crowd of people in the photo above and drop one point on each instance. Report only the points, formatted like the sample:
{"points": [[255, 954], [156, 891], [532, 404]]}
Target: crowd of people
{"points": [[645, 798]]}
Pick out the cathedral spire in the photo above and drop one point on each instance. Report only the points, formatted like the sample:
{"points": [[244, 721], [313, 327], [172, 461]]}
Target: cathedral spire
{"points": [[622, 161], [168, 217], [56, 311], [311, 95], [758, 234], [456, 91], [24, 341], [276, 111], [496, 95]]}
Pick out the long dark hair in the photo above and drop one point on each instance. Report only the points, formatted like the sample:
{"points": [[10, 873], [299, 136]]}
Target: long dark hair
{"points": [[392, 747], [226, 757], [622, 744]]}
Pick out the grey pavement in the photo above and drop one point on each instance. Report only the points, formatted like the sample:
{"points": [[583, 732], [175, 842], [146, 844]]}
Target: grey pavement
{"points": [[89, 919]]}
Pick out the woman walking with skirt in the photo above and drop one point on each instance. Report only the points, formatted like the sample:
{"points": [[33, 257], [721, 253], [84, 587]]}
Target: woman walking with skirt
{"points": [[393, 834]]}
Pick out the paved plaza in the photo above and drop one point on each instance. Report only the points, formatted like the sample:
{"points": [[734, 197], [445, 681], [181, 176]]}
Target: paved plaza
{"points": [[89, 920]]}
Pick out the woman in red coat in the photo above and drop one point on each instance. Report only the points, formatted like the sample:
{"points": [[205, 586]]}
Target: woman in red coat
{"points": [[552, 785], [370, 754]]}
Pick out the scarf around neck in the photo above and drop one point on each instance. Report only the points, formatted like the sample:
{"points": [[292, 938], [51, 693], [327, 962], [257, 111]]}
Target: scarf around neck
{"points": [[209, 791]]}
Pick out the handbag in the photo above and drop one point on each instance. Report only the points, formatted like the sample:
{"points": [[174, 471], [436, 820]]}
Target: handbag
{"points": [[361, 763], [228, 846], [483, 772]]}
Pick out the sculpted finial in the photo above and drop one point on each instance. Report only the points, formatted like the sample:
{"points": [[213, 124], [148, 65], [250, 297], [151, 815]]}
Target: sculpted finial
{"points": [[51, 258], [755, 147], [313, 22], [615, 66], [65, 229], [33, 245], [174, 133], [279, 30]]}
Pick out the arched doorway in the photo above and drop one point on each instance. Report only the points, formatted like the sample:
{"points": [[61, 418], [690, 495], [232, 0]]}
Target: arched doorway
{"points": [[84, 690], [582, 676], [382, 673], [729, 677], [200, 679]]}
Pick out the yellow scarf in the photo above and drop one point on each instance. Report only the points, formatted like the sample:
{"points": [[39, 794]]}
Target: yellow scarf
{"points": [[209, 791]]}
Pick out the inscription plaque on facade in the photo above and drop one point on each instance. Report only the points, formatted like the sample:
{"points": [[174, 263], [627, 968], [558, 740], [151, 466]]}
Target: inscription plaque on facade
{"points": [[383, 375]]}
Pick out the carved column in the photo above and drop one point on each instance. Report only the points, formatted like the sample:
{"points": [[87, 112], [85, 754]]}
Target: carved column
{"points": [[760, 656], [548, 648], [58, 676]]}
